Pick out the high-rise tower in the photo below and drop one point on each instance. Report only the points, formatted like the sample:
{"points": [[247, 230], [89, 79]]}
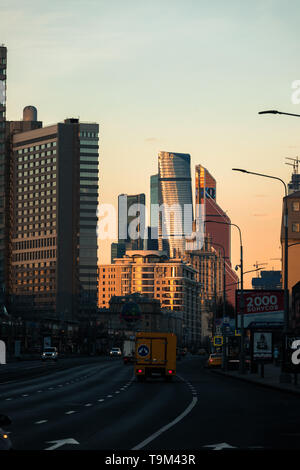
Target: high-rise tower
{"points": [[175, 194], [4, 173], [53, 214]]}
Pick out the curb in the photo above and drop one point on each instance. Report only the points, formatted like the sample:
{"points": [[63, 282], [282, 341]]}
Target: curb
{"points": [[254, 382]]}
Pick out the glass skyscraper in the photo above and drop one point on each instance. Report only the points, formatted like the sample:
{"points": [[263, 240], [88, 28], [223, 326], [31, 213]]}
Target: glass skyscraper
{"points": [[175, 193]]}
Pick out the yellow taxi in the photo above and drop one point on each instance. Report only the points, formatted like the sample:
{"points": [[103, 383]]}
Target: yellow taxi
{"points": [[214, 360]]}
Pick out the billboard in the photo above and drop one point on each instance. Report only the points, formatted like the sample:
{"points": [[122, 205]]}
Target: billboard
{"points": [[260, 301], [262, 345]]}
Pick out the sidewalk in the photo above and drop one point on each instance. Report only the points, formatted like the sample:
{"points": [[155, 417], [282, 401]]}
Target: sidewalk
{"points": [[271, 378]]}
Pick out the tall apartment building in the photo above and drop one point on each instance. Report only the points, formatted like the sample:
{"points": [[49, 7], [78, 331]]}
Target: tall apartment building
{"points": [[4, 168], [53, 221], [175, 193], [171, 281]]}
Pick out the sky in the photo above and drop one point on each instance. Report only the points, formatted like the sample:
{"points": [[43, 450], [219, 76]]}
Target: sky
{"points": [[184, 76]]}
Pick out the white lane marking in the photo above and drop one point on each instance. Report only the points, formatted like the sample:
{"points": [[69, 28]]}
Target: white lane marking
{"points": [[39, 391], [109, 396], [41, 422], [70, 412], [221, 446], [89, 404], [25, 395], [101, 399], [168, 426], [60, 443], [117, 391], [7, 399]]}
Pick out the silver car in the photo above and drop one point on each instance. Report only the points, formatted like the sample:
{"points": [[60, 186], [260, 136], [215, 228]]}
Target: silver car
{"points": [[50, 353], [115, 352]]}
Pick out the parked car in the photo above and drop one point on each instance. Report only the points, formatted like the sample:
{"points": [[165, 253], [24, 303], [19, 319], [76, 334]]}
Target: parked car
{"points": [[115, 352], [49, 353]]}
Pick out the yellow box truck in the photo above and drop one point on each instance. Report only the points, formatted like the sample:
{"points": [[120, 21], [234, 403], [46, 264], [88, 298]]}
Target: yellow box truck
{"points": [[155, 354]]}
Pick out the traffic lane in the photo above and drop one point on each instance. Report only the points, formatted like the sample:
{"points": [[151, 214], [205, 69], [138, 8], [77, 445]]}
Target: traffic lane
{"points": [[19, 371], [117, 420], [53, 378], [239, 414], [50, 401]]}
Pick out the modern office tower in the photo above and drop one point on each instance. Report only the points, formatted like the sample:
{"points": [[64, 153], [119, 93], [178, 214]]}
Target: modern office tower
{"points": [[53, 240], [154, 201], [132, 220], [219, 233], [175, 194], [4, 168], [171, 281], [117, 250]]}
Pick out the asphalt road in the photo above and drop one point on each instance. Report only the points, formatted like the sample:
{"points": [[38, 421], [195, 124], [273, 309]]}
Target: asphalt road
{"points": [[96, 403]]}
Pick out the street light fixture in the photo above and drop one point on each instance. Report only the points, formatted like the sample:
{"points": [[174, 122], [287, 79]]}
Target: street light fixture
{"points": [[274, 111], [286, 290]]}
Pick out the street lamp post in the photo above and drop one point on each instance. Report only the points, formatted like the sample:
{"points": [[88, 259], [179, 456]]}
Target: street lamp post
{"points": [[286, 289], [242, 303], [224, 358]]}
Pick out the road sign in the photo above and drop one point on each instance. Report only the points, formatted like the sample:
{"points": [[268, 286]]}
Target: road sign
{"points": [[218, 340], [143, 350]]}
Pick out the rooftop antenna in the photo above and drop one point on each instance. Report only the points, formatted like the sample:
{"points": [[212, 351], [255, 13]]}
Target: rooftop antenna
{"points": [[295, 164], [259, 264]]}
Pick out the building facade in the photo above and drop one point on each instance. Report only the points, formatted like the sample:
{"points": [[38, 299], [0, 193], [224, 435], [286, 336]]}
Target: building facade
{"points": [[215, 224], [268, 280], [53, 219], [4, 178], [293, 203], [171, 281], [175, 196], [132, 220]]}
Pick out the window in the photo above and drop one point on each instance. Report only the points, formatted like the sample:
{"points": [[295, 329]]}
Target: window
{"points": [[296, 227], [296, 206]]}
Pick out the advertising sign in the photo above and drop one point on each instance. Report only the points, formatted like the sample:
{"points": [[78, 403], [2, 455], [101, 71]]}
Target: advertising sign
{"points": [[262, 346], [260, 301]]}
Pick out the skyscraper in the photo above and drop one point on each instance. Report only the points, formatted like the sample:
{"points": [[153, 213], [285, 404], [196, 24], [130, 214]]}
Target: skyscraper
{"points": [[53, 205], [175, 194], [132, 220], [4, 166], [154, 201]]}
